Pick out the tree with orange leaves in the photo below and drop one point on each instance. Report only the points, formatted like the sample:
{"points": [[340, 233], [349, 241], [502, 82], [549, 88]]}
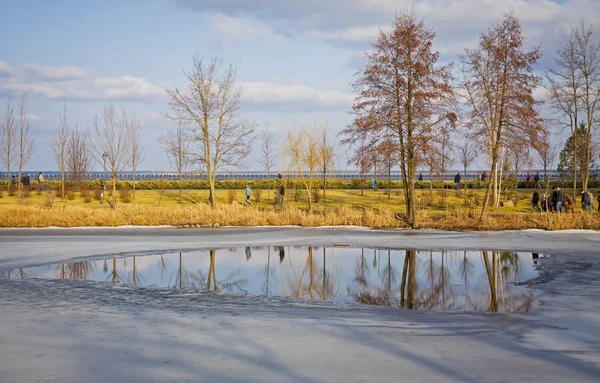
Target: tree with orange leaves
{"points": [[402, 92]]}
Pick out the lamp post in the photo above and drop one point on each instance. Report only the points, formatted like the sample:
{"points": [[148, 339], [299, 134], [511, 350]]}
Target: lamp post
{"points": [[104, 155]]}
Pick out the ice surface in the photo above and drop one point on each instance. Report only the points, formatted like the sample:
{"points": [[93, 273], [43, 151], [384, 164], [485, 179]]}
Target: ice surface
{"points": [[80, 331]]}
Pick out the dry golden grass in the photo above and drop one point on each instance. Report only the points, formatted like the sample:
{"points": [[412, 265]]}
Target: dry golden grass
{"points": [[196, 216], [203, 215]]}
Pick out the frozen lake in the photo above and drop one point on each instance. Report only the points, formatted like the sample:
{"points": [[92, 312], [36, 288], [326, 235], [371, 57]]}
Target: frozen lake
{"points": [[285, 304], [425, 280]]}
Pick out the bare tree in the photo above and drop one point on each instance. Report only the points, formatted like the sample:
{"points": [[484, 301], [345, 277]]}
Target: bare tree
{"points": [[362, 161], [25, 138], [466, 154], [210, 105], [587, 51], [302, 149], [498, 84], [78, 155], [176, 145], [136, 146], [8, 132], [546, 152], [564, 84], [267, 153], [111, 142], [59, 144], [325, 156]]}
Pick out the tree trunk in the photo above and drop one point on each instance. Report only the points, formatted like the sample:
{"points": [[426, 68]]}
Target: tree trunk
{"points": [[63, 183], [133, 197], [114, 193]]}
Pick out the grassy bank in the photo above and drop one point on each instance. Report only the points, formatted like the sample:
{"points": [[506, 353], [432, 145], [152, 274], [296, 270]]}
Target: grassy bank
{"points": [[439, 209], [239, 215]]}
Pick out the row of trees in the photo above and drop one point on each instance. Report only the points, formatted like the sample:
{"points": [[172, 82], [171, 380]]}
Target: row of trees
{"points": [[17, 142], [404, 96]]}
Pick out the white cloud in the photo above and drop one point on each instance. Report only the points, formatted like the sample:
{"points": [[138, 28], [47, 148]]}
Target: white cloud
{"points": [[55, 73], [237, 28], [356, 22], [294, 97], [5, 69], [104, 88]]}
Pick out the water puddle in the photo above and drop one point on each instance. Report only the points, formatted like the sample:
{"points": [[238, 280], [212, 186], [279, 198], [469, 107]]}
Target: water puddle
{"points": [[422, 280]]}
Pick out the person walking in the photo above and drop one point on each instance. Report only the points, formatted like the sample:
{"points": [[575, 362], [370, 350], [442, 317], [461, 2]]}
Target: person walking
{"points": [[484, 176], [374, 184], [281, 194], [457, 180], [535, 200], [559, 199], [536, 179], [248, 193], [527, 180], [420, 177], [41, 180], [478, 180], [591, 201]]}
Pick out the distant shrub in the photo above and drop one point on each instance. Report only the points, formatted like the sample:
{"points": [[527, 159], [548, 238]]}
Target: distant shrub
{"points": [[70, 194], [49, 200], [125, 195], [231, 196], [257, 194], [86, 195]]}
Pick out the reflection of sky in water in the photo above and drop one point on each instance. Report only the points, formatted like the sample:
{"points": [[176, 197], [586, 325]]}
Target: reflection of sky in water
{"points": [[347, 272]]}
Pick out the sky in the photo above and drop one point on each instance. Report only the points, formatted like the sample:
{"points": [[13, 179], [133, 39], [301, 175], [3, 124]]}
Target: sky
{"points": [[296, 59]]}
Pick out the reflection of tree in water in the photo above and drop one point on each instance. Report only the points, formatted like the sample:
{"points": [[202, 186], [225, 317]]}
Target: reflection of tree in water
{"points": [[440, 293], [114, 276], [368, 294], [498, 269], [134, 276], [14, 274], [232, 284], [315, 281]]}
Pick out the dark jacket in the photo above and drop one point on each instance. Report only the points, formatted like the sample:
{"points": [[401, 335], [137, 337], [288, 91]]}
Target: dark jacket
{"points": [[559, 196], [554, 197], [457, 178], [281, 190], [584, 199], [536, 177], [536, 198]]}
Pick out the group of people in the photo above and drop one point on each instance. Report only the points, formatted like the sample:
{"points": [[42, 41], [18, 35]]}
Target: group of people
{"points": [[558, 201], [536, 180], [26, 180]]}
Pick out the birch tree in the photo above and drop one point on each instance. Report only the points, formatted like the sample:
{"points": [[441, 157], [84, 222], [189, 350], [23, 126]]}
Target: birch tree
{"points": [[587, 50], [466, 154], [112, 141], [136, 146], [176, 144], [564, 82], [210, 105], [498, 83], [78, 155], [267, 153], [8, 132], [302, 149], [25, 139], [325, 156], [59, 144]]}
